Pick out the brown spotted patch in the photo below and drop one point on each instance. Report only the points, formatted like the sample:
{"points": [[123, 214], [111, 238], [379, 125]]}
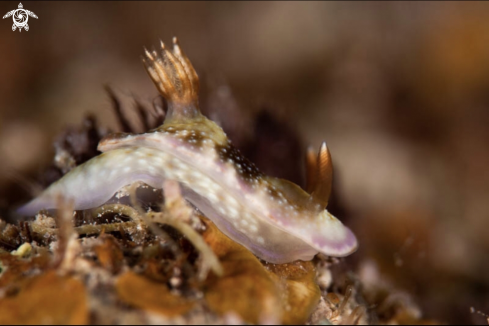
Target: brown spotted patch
{"points": [[244, 167]]}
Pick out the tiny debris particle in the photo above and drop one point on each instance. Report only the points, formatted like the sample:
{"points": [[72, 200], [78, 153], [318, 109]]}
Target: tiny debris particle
{"points": [[23, 251], [175, 282]]}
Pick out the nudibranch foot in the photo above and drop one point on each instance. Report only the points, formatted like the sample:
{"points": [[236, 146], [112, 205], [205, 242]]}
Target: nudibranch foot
{"points": [[275, 219]]}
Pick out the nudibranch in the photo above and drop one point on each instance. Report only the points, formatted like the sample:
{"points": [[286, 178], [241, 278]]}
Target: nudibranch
{"points": [[274, 218]]}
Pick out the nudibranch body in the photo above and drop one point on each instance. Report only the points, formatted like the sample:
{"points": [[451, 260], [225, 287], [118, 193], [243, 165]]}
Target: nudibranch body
{"points": [[275, 219]]}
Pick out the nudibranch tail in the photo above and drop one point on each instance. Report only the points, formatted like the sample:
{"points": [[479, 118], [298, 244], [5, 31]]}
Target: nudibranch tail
{"points": [[324, 177], [95, 182], [177, 81]]}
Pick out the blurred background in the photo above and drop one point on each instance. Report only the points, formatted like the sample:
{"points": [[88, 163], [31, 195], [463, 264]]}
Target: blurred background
{"points": [[400, 92]]}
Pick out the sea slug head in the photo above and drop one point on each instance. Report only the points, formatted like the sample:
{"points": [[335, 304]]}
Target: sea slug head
{"points": [[303, 214]]}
